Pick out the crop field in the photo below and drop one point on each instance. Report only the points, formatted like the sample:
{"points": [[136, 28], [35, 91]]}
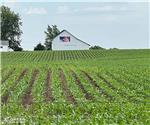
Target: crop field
{"points": [[92, 87]]}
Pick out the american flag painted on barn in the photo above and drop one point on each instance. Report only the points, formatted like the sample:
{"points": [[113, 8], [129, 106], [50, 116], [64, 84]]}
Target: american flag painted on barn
{"points": [[65, 38]]}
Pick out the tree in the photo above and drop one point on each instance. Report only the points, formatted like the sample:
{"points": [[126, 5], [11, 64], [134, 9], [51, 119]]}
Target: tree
{"points": [[10, 27], [97, 47], [39, 47], [17, 48], [51, 33], [113, 49]]}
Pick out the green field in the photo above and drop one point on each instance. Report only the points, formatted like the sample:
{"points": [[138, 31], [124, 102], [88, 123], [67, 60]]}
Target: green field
{"points": [[92, 87]]}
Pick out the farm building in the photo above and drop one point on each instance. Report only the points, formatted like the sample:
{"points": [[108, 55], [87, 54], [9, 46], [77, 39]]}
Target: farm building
{"points": [[66, 41], [4, 46]]}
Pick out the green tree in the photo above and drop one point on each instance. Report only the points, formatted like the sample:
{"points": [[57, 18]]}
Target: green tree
{"points": [[10, 27], [18, 48], [51, 33], [39, 47], [96, 47]]}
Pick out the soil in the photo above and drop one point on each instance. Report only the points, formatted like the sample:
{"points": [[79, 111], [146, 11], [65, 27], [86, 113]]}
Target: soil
{"points": [[95, 85], [8, 75], [48, 84], [28, 98], [87, 95], [5, 97], [67, 93]]}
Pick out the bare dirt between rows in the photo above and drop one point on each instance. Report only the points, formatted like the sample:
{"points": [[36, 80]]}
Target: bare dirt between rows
{"points": [[66, 91], [28, 98], [11, 71], [5, 97], [48, 83], [95, 85], [87, 95]]}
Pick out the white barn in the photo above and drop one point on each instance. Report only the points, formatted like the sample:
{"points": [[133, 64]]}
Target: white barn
{"points": [[66, 41], [4, 46]]}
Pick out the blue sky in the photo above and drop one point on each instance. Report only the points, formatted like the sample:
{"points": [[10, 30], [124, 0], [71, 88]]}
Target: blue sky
{"points": [[107, 24]]}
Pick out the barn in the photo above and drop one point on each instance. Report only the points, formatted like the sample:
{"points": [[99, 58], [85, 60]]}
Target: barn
{"points": [[66, 41], [4, 46]]}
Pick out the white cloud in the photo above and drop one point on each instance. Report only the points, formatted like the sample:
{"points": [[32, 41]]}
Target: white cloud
{"points": [[63, 10], [68, 10], [99, 9], [9, 3], [90, 9], [124, 8], [106, 8], [35, 11]]}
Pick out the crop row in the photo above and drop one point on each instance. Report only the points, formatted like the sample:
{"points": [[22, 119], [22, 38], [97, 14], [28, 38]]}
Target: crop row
{"points": [[70, 55], [104, 84]]}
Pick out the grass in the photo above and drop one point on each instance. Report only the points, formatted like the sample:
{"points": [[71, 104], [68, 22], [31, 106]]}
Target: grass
{"points": [[126, 70]]}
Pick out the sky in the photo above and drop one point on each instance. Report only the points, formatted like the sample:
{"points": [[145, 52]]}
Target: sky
{"points": [[120, 24]]}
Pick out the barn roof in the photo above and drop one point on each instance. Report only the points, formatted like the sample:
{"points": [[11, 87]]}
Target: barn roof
{"points": [[73, 36]]}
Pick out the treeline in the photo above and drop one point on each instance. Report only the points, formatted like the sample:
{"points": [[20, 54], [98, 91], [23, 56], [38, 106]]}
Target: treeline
{"points": [[11, 31], [51, 33]]}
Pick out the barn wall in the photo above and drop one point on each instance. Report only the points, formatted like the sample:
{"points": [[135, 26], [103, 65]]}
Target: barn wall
{"points": [[74, 43]]}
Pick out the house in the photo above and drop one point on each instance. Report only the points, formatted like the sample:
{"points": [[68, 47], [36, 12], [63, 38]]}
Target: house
{"points": [[66, 41], [4, 46]]}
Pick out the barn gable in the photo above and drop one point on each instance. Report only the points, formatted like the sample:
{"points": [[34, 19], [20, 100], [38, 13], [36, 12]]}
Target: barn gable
{"points": [[66, 41]]}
